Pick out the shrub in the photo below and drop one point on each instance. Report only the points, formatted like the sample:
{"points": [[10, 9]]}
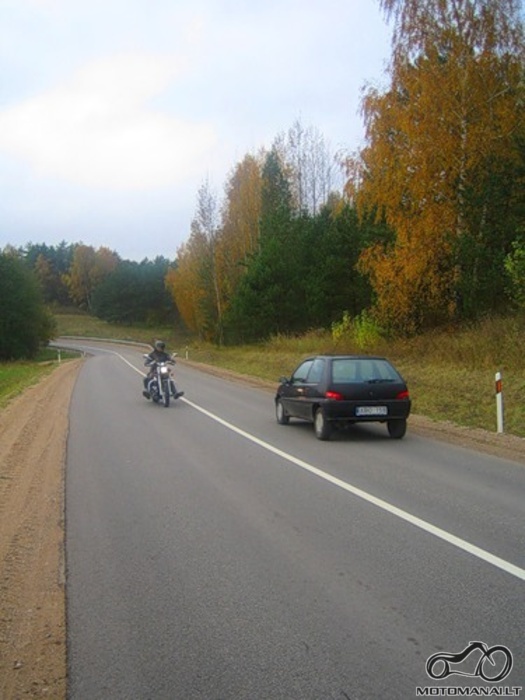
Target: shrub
{"points": [[362, 330]]}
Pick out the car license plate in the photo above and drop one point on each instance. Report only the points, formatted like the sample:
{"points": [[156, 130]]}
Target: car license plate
{"points": [[371, 411]]}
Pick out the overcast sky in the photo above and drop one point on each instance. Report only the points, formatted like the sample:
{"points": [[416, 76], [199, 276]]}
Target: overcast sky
{"points": [[113, 112]]}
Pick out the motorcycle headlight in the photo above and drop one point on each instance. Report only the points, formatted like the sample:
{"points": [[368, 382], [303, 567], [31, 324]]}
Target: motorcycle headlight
{"points": [[164, 370]]}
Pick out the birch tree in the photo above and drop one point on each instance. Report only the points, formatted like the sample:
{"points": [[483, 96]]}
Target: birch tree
{"points": [[309, 165], [450, 121], [185, 283], [196, 285], [239, 236]]}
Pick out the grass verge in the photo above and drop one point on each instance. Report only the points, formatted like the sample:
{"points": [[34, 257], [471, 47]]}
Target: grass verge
{"points": [[82, 325], [15, 377]]}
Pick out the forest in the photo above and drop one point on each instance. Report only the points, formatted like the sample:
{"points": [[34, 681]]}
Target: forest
{"points": [[428, 227], [422, 227]]}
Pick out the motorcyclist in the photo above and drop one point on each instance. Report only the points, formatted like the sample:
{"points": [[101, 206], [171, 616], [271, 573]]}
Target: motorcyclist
{"points": [[158, 354]]}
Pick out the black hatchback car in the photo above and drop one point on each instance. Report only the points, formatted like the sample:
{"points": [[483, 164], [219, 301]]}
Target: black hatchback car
{"points": [[332, 391]]}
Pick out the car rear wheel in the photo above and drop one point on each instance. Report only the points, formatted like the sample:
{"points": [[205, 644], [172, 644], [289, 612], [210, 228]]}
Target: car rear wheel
{"points": [[322, 427], [397, 428], [282, 417]]}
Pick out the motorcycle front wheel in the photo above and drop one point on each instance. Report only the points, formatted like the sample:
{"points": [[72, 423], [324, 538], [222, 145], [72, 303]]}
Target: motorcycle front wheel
{"points": [[166, 392]]}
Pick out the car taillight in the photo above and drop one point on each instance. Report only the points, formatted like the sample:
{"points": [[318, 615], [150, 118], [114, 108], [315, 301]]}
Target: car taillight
{"points": [[334, 395], [403, 395]]}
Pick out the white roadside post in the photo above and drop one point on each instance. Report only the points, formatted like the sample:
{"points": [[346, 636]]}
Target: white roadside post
{"points": [[499, 403]]}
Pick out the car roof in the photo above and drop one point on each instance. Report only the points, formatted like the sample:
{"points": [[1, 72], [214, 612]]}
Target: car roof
{"points": [[346, 357]]}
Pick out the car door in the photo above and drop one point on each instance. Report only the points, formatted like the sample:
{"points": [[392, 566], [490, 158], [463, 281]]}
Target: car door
{"points": [[313, 389], [293, 393]]}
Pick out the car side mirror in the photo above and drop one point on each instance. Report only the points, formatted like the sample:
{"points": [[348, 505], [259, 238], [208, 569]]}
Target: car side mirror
{"points": [[284, 380]]}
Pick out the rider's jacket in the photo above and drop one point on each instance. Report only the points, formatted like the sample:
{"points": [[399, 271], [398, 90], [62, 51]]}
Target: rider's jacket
{"points": [[157, 356]]}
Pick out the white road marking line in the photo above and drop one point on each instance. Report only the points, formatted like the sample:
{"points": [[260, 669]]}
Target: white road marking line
{"points": [[143, 374], [384, 505], [114, 352], [482, 554]]}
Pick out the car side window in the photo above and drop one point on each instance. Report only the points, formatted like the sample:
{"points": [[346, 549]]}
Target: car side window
{"points": [[316, 371], [300, 374]]}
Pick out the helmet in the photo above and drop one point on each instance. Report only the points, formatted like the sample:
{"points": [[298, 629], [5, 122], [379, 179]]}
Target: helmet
{"points": [[160, 345]]}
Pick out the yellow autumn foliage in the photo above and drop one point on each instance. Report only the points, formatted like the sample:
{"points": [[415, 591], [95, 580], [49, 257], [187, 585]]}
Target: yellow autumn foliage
{"points": [[430, 137]]}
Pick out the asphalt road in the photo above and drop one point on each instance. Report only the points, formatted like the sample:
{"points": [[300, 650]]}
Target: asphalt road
{"points": [[213, 554]]}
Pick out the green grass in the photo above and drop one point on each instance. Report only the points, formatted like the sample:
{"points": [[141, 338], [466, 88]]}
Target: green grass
{"points": [[81, 325], [450, 372], [15, 377]]}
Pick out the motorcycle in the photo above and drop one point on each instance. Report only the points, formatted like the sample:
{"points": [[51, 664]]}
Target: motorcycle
{"points": [[161, 386]]}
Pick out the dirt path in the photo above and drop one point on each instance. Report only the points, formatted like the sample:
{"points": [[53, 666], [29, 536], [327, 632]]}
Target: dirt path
{"points": [[33, 434]]}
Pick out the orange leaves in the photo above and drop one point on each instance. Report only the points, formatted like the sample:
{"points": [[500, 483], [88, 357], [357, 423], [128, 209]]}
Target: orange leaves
{"points": [[412, 280], [213, 260], [241, 214], [453, 108], [185, 283]]}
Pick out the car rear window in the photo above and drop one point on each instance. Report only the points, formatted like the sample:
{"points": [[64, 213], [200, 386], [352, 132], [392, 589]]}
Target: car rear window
{"points": [[354, 370]]}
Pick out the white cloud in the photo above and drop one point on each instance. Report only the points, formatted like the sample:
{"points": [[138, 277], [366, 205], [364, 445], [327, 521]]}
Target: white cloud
{"points": [[106, 150], [101, 130]]}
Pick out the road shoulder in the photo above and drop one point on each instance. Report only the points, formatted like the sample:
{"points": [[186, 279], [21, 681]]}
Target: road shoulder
{"points": [[33, 435]]}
